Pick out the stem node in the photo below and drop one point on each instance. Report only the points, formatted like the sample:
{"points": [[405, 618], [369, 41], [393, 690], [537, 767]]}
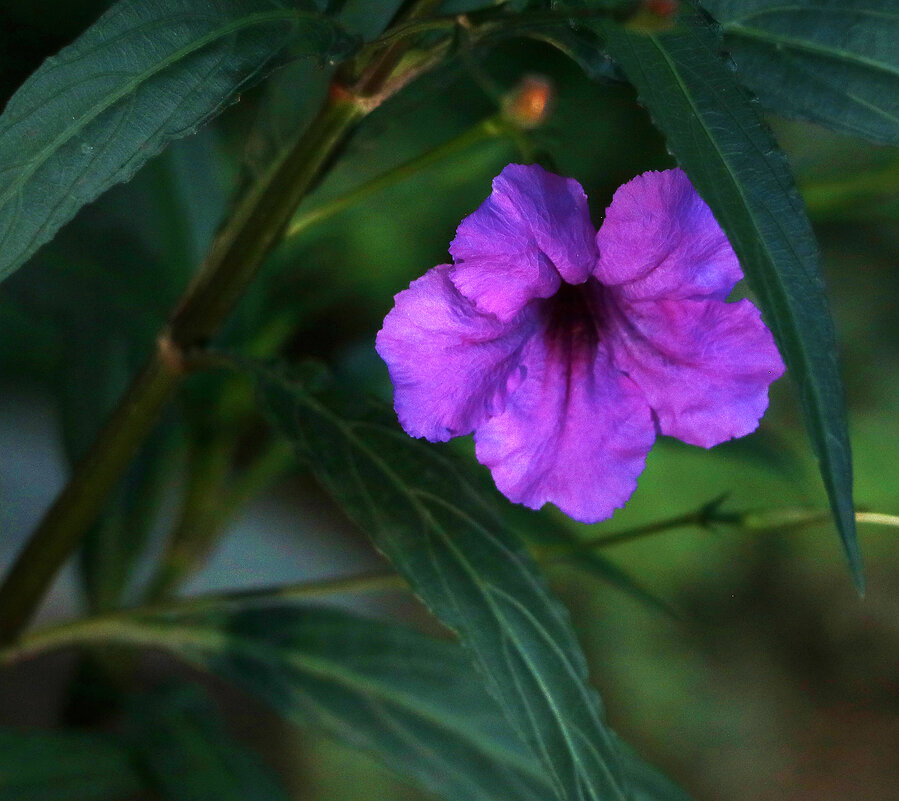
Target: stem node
{"points": [[170, 353]]}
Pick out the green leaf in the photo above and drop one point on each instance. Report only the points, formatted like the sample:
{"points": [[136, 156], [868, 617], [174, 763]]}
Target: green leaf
{"points": [[185, 753], [718, 138], [57, 766], [414, 501], [833, 62], [411, 701], [147, 72]]}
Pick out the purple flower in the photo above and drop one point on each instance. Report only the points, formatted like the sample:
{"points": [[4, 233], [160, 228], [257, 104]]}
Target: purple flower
{"points": [[566, 351]]}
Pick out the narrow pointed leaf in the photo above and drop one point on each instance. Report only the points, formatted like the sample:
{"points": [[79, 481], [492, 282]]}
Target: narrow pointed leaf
{"points": [[414, 501], [64, 766], [147, 72], [719, 139], [833, 62]]}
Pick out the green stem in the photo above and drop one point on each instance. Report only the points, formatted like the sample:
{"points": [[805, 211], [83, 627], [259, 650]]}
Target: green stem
{"points": [[101, 628], [801, 518], [233, 261], [482, 24], [876, 519], [376, 72], [564, 550], [489, 128], [268, 596], [779, 519], [257, 226], [417, 26]]}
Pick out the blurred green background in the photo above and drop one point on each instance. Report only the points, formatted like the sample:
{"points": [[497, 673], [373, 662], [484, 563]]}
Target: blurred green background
{"points": [[774, 682]]}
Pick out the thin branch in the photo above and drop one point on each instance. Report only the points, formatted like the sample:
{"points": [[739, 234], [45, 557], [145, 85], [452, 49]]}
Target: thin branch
{"points": [[98, 627], [490, 128], [93, 629]]}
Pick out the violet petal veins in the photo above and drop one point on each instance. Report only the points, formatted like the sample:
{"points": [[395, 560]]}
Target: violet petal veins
{"points": [[565, 351]]}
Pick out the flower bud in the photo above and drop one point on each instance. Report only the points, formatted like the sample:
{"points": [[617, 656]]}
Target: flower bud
{"points": [[529, 104]]}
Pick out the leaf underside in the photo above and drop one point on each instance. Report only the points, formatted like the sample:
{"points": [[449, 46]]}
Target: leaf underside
{"points": [[415, 503], [411, 701]]}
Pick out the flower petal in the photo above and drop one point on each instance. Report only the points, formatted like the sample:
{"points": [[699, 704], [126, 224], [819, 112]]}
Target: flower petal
{"points": [[534, 228], [575, 433], [703, 365], [450, 365], [660, 240]]}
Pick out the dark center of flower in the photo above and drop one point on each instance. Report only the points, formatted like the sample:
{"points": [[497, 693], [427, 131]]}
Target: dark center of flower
{"points": [[574, 318]]}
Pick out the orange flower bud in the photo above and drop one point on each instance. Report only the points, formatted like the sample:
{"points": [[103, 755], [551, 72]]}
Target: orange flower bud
{"points": [[529, 104]]}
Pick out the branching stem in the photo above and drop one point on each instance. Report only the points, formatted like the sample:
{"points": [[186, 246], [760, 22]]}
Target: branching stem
{"points": [[98, 628], [253, 230]]}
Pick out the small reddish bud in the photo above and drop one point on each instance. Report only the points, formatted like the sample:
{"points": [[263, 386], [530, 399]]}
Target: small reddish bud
{"points": [[529, 104]]}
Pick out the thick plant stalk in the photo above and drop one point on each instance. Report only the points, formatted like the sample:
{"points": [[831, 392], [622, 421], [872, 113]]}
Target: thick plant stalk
{"points": [[233, 260], [235, 257]]}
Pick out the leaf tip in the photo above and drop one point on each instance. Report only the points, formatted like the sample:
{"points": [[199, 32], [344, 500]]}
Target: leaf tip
{"points": [[849, 537]]}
